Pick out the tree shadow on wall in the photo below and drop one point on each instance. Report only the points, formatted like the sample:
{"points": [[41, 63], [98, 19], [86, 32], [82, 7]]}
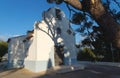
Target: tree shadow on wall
{"points": [[19, 51]]}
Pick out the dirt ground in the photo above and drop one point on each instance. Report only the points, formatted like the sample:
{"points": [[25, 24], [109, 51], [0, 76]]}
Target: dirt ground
{"points": [[90, 71]]}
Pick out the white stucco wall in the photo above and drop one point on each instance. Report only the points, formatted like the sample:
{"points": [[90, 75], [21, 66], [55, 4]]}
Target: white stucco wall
{"points": [[16, 51], [46, 44], [41, 51], [68, 40], [31, 49]]}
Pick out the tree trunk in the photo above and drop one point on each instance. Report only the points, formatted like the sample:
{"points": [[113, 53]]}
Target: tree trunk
{"points": [[108, 24], [59, 55]]}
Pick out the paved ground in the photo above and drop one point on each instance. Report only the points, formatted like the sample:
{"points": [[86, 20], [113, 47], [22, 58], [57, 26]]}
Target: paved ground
{"points": [[91, 71]]}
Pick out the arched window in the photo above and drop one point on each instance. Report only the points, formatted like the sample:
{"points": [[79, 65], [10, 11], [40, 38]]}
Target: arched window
{"points": [[58, 14], [58, 31]]}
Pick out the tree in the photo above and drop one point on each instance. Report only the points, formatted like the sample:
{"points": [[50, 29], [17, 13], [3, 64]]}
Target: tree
{"points": [[103, 50], [86, 54], [3, 49], [108, 19]]}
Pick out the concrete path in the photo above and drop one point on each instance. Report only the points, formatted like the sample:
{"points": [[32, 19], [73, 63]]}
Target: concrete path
{"points": [[90, 71]]}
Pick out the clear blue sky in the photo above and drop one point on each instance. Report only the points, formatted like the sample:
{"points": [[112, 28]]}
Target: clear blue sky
{"points": [[18, 16]]}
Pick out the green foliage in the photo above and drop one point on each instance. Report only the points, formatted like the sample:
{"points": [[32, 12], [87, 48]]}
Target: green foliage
{"points": [[59, 1], [86, 55], [77, 18], [56, 1], [102, 49], [3, 49]]}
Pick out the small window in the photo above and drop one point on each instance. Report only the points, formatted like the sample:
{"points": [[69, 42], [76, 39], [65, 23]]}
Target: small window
{"points": [[58, 14], [69, 31], [58, 31]]}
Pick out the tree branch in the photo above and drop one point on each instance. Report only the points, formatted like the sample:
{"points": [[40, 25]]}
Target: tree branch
{"points": [[74, 3]]}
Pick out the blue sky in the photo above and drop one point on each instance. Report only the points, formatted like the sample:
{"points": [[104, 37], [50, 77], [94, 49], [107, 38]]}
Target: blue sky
{"points": [[18, 16]]}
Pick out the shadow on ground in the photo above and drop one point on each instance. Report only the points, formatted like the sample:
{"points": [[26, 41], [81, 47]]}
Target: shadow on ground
{"points": [[8, 72], [91, 71]]}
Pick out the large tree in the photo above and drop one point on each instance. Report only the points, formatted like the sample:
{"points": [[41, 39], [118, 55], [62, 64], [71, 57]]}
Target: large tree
{"points": [[101, 12]]}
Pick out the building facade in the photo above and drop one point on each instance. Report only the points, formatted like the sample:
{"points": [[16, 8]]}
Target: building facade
{"points": [[35, 50]]}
